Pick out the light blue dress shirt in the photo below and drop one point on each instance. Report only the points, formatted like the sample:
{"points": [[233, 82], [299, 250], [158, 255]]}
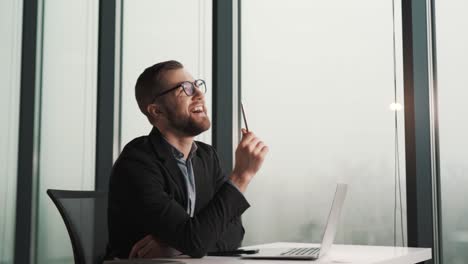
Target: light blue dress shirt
{"points": [[186, 167]]}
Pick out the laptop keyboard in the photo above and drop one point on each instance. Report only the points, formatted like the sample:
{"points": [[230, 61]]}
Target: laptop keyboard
{"points": [[300, 252]]}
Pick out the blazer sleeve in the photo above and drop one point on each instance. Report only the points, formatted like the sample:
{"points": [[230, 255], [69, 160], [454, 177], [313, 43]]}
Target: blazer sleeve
{"points": [[166, 219], [232, 237]]}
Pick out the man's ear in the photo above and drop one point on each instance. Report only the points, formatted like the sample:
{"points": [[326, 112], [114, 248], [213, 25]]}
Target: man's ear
{"points": [[154, 111]]}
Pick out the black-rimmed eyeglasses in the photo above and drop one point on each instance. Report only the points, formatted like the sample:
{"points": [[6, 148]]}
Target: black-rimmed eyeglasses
{"points": [[188, 87]]}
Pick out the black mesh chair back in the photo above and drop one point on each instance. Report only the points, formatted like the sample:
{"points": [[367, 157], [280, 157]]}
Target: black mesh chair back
{"points": [[85, 216]]}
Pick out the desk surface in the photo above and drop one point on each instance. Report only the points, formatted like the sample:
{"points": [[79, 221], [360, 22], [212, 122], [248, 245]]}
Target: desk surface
{"points": [[339, 254]]}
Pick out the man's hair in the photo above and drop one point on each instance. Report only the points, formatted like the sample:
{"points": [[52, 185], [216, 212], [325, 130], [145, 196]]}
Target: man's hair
{"points": [[151, 82]]}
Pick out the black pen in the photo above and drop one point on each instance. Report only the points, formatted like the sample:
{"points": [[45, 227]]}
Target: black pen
{"points": [[245, 119], [236, 252]]}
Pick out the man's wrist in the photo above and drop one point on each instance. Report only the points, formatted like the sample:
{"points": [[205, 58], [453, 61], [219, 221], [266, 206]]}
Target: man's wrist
{"points": [[241, 181]]}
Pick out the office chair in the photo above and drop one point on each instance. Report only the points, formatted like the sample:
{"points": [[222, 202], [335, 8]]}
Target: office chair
{"points": [[85, 216]]}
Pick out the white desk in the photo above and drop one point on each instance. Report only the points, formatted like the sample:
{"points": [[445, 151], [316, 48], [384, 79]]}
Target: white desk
{"points": [[339, 254]]}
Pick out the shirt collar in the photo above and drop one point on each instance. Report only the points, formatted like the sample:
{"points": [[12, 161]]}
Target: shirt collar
{"points": [[179, 155]]}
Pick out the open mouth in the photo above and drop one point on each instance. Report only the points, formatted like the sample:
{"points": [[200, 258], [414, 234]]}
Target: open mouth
{"points": [[198, 110]]}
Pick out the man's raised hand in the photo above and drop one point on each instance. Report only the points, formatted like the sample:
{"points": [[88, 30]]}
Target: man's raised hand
{"points": [[250, 154]]}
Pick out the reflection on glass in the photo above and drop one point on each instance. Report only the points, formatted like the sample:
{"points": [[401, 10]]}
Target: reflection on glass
{"points": [[68, 116], [452, 65], [10, 66], [147, 39], [317, 82]]}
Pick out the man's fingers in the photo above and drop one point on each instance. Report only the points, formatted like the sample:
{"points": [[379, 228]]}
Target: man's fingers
{"points": [[264, 151], [249, 142], [133, 253], [253, 144], [258, 147], [247, 137], [140, 244], [144, 241], [148, 248]]}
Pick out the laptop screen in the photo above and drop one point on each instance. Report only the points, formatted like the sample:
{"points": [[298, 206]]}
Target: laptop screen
{"points": [[333, 218]]}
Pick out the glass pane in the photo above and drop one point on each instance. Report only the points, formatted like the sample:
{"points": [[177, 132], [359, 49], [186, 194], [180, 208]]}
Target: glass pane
{"points": [[452, 65], [147, 39], [10, 68], [68, 115], [317, 82]]}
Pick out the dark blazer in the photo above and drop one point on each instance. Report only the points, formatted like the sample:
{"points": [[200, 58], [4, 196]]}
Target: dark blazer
{"points": [[147, 195]]}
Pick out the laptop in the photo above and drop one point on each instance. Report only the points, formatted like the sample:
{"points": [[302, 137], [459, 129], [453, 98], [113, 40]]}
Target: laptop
{"points": [[310, 253]]}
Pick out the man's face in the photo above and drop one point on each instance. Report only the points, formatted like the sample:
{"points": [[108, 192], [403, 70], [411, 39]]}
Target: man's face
{"points": [[185, 114]]}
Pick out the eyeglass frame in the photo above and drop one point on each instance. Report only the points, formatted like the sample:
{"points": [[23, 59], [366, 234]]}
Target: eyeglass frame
{"points": [[181, 85]]}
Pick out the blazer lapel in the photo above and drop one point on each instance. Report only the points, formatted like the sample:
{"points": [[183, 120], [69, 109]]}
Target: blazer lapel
{"points": [[164, 153], [203, 182]]}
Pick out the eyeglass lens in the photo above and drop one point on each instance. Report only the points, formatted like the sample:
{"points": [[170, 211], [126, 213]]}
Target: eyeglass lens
{"points": [[189, 87]]}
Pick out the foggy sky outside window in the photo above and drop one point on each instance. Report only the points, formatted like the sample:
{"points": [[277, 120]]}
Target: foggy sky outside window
{"points": [[452, 67], [10, 67], [147, 39], [317, 82], [68, 116]]}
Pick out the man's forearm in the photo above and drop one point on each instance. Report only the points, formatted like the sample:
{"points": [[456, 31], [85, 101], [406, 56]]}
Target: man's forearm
{"points": [[195, 236], [232, 238], [240, 180]]}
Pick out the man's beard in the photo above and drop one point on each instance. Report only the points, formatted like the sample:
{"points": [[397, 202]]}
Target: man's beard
{"points": [[187, 125]]}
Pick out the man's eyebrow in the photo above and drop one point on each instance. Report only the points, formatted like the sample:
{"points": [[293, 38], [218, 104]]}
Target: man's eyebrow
{"points": [[170, 86], [179, 83]]}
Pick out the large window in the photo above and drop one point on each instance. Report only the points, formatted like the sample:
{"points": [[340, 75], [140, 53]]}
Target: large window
{"points": [[321, 83], [68, 86], [156, 31], [317, 82], [452, 67], [10, 66]]}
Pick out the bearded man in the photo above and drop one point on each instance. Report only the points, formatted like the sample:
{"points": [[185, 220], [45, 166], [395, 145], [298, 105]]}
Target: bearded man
{"points": [[168, 194]]}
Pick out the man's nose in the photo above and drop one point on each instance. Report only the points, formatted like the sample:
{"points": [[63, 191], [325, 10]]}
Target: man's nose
{"points": [[198, 94]]}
